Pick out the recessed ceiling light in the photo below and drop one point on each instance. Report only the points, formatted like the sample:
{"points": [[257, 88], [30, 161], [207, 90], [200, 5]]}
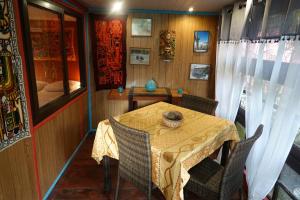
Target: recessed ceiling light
{"points": [[191, 9], [117, 6]]}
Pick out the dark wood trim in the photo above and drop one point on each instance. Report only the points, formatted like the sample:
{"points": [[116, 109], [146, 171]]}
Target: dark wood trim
{"points": [[130, 100], [64, 55], [38, 114]]}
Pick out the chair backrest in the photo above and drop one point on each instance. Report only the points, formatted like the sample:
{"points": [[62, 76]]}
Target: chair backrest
{"points": [[199, 104], [134, 155], [233, 173]]}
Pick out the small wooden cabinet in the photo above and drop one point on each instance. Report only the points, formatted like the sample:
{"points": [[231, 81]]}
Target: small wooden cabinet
{"points": [[133, 95]]}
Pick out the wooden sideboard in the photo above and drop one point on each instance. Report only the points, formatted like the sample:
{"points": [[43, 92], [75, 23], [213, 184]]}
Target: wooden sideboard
{"points": [[132, 95]]}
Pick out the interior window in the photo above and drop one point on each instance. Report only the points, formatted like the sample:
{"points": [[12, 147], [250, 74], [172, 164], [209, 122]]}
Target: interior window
{"points": [[55, 57], [71, 46], [45, 35]]}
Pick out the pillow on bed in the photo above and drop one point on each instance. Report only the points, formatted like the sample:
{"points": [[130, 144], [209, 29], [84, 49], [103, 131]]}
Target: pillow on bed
{"points": [[40, 85], [74, 85], [57, 86]]}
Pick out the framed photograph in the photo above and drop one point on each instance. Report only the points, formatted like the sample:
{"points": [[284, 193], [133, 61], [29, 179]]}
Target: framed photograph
{"points": [[139, 56], [201, 41], [199, 72], [141, 27]]}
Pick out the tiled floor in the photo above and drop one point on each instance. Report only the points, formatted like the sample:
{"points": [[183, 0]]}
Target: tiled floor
{"points": [[84, 180]]}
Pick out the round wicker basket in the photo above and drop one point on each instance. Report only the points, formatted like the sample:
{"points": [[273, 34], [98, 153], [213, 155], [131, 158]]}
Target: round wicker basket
{"points": [[172, 119]]}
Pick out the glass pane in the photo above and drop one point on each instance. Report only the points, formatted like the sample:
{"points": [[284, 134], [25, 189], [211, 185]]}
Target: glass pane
{"points": [[276, 18], [45, 32], [71, 46], [226, 22], [292, 23], [253, 24]]}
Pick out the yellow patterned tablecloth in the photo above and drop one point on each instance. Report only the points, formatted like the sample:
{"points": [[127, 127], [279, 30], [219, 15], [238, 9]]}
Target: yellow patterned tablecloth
{"points": [[174, 151]]}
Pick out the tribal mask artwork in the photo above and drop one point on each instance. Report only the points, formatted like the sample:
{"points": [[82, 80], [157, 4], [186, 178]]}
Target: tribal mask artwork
{"points": [[167, 45]]}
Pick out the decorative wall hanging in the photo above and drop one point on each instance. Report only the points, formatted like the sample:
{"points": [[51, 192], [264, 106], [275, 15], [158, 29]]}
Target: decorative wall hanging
{"points": [[109, 51], [139, 56], [201, 39], [199, 72], [167, 45], [14, 124], [141, 27]]}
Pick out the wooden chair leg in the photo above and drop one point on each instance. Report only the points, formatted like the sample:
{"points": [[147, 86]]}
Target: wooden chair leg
{"points": [[107, 178], [185, 194], [149, 191], [241, 193], [149, 195], [117, 188]]}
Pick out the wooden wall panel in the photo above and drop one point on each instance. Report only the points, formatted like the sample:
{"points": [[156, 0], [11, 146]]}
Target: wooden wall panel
{"points": [[57, 140], [17, 172], [172, 74], [103, 108]]}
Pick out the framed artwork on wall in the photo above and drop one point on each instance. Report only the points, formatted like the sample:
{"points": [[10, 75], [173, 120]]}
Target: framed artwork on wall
{"points": [[167, 44], [201, 41], [139, 56], [199, 72], [141, 27]]}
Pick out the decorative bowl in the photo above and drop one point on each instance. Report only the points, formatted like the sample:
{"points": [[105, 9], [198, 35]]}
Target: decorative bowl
{"points": [[172, 119]]}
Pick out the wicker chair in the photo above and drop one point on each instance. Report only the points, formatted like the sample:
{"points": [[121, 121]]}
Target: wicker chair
{"points": [[134, 157], [199, 104], [210, 180]]}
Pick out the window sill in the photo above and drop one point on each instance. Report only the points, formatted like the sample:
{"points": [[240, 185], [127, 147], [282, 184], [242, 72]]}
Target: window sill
{"points": [[53, 108]]}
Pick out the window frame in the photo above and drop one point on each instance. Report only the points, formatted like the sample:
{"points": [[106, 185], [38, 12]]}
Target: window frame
{"points": [[40, 113]]}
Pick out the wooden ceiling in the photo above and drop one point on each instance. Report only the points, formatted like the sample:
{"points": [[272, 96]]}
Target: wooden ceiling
{"points": [[169, 5]]}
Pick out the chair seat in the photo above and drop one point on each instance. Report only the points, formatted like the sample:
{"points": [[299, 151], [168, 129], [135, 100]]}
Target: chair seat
{"points": [[205, 179]]}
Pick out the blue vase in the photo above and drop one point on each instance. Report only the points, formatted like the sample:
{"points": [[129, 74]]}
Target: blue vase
{"points": [[120, 89], [151, 86]]}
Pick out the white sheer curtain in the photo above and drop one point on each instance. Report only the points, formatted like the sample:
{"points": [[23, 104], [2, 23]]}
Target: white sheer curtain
{"points": [[277, 106], [229, 78], [269, 72]]}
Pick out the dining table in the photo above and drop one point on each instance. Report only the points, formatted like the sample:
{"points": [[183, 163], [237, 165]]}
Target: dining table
{"points": [[174, 150]]}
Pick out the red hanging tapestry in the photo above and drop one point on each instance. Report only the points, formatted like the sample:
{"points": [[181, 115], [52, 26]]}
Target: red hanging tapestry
{"points": [[109, 51]]}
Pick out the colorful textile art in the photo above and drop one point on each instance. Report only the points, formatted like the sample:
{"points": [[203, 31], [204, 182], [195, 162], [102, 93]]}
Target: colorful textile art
{"points": [[14, 124], [167, 45], [109, 51]]}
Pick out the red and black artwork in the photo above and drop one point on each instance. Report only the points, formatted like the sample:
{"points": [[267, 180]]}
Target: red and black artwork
{"points": [[109, 51]]}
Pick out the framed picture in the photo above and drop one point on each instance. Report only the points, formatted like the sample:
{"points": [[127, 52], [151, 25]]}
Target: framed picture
{"points": [[199, 72], [141, 27], [167, 44], [139, 56], [201, 41]]}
